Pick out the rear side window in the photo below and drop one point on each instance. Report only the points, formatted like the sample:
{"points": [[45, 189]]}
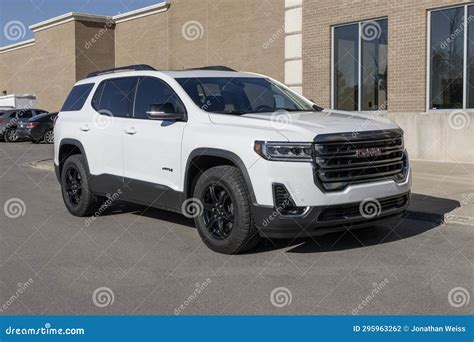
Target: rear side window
{"points": [[115, 96], [77, 97]]}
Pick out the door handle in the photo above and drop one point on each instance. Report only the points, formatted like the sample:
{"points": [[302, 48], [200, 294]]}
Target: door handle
{"points": [[131, 131], [85, 128]]}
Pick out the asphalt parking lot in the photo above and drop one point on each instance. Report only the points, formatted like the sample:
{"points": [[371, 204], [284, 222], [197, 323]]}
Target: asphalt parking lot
{"points": [[134, 260]]}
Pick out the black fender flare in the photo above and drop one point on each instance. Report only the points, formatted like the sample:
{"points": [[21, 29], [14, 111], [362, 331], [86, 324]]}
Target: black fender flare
{"points": [[215, 152], [76, 143]]}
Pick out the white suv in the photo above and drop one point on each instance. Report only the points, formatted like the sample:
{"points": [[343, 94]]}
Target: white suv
{"points": [[241, 153]]}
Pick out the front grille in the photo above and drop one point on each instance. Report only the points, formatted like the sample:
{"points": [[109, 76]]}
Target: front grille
{"points": [[344, 159], [370, 209]]}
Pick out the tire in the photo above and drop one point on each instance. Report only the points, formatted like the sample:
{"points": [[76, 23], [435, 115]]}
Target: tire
{"points": [[81, 203], [48, 137], [10, 135], [230, 237]]}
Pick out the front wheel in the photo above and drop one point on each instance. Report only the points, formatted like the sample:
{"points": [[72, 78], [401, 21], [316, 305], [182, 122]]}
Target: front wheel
{"points": [[225, 223]]}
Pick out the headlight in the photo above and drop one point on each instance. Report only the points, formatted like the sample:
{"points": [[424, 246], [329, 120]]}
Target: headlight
{"points": [[284, 151]]}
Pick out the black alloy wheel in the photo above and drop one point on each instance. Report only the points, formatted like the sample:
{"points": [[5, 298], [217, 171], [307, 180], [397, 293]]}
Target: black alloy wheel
{"points": [[218, 212], [73, 186]]}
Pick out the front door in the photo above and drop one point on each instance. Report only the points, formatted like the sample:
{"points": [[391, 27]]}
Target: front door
{"points": [[152, 148]]}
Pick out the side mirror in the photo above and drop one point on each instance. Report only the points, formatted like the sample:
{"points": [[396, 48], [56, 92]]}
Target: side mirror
{"points": [[163, 111]]}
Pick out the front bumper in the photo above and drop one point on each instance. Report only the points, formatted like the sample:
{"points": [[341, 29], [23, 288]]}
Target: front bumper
{"points": [[319, 220]]}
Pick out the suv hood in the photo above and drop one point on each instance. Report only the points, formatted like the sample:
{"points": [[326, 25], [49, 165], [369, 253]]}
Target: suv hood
{"points": [[305, 126]]}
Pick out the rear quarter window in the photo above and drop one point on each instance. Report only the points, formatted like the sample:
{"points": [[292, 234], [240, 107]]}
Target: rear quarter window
{"points": [[77, 97]]}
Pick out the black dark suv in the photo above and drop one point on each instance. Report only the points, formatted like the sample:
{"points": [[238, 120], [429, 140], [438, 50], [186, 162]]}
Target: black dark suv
{"points": [[10, 118]]}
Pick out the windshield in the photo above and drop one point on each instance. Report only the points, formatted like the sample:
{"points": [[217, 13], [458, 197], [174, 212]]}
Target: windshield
{"points": [[241, 95]]}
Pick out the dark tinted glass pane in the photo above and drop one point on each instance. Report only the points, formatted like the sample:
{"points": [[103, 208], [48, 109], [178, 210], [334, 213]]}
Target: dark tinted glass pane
{"points": [[447, 41], [24, 114], [346, 74], [77, 97], [154, 91], [374, 39], [470, 58], [117, 97]]}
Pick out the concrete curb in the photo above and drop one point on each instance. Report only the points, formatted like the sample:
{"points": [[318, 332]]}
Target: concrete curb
{"points": [[46, 165]]}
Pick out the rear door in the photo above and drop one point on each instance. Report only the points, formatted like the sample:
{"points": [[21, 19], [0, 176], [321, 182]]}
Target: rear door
{"points": [[152, 148], [111, 107]]}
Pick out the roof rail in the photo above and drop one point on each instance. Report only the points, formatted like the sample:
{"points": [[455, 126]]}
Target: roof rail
{"points": [[135, 67], [214, 67]]}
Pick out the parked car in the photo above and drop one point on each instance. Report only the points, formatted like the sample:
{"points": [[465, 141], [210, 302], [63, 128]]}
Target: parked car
{"points": [[39, 128], [10, 118], [241, 153]]}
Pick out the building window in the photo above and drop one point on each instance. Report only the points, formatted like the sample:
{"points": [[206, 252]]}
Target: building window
{"points": [[451, 58], [360, 66]]}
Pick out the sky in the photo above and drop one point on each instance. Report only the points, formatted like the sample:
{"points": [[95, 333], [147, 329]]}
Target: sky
{"points": [[17, 15]]}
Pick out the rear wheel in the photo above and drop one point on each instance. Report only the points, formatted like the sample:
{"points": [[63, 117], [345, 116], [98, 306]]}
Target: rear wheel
{"points": [[75, 187], [225, 223], [10, 135], [49, 136]]}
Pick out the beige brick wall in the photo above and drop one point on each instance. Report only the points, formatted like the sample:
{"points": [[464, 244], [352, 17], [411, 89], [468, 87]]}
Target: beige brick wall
{"points": [[46, 69], [406, 41], [229, 32], [95, 47], [428, 136]]}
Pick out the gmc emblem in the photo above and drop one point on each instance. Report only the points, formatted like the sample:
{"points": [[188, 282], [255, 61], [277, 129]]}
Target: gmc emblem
{"points": [[368, 152]]}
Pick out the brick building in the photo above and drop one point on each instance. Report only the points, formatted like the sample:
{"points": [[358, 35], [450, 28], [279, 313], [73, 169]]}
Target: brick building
{"points": [[412, 61]]}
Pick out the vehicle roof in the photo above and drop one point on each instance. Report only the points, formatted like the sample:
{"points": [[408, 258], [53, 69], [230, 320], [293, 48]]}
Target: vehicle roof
{"points": [[170, 73], [41, 116]]}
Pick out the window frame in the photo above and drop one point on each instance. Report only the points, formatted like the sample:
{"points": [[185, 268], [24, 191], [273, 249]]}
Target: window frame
{"points": [[428, 58], [359, 64], [185, 116], [99, 85]]}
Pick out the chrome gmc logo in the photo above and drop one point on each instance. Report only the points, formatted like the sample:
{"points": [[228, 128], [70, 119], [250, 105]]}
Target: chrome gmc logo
{"points": [[368, 152]]}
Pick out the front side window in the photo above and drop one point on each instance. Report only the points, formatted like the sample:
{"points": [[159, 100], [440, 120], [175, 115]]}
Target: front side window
{"points": [[155, 91], [241, 95], [451, 58], [115, 97], [360, 66], [77, 97]]}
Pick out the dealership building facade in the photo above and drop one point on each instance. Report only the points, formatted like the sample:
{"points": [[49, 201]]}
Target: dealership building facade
{"points": [[411, 61]]}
